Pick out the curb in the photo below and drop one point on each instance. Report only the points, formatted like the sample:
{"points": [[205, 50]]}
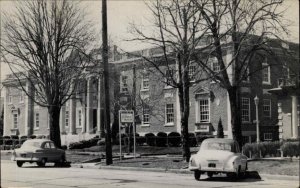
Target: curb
{"points": [[175, 171]]}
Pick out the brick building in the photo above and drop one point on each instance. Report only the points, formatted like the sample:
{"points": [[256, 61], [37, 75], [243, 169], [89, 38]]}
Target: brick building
{"points": [[134, 85]]}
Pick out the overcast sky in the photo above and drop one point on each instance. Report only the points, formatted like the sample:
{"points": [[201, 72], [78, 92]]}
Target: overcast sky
{"points": [[122, 12]]}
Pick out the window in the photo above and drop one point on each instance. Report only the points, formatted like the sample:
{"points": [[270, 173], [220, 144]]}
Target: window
{"points": [[21, 96], [268, 136], [192, 71], [67, 119], [169, 77], [245, 110], [245, 74], [146, 115], [267, 108], [10, 99], [169, 113], [124, 84], [215, 65], [266, 74], [79, 118], [15, 120], [145, 82], [52, 146], [37, 120], [204, 110], [47, 145]]}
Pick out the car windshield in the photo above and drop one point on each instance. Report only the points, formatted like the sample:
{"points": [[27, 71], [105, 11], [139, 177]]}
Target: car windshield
{"points": [[32, 144], [218, 146]]}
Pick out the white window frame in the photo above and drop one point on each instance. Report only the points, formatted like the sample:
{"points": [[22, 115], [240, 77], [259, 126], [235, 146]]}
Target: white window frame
{"points": [[243, 110], [15, 121], [215, 64], [266, 67], [192, 72], [9, 99], [169, 123], [124, 84], [267, 107], [168, 76], [67, 118], [21, 98], [145, 79], [37, 120], [79, 118], [146, 123], [268, 136], [198, 116]]}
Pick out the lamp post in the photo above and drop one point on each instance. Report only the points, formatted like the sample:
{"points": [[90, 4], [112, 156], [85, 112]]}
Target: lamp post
{"points": [[256, 101]]}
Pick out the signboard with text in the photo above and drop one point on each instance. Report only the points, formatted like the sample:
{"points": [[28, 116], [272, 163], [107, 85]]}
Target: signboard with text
{"points": [[126, 116]]}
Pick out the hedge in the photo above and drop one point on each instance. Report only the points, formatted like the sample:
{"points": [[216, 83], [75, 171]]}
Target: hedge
{"points": [[290, 149], [150, 139], [84, 144], [161, 139], [174, 139], [262, 148]]}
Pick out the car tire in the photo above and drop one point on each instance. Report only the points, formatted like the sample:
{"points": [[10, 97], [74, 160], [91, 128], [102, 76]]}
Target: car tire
{"points": [[20, 163], [210, 174], [197, 174], [61, 161], [42, 162]]}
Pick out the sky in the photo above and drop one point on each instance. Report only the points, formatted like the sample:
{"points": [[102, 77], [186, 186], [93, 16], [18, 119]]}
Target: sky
{"points": [[122, 12]]}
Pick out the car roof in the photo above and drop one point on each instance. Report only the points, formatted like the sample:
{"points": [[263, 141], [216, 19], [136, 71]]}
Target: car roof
{"points": [[224, 140]]}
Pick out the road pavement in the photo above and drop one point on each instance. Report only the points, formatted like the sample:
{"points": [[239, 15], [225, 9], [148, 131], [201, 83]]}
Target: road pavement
{"points": [[53, 177]]}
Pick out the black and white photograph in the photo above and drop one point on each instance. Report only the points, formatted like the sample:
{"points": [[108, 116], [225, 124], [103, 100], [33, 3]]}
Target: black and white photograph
{"points": [[149, 93]]}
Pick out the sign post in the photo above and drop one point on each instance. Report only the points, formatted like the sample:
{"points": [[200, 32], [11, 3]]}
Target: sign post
{"points": [[126, 116]]}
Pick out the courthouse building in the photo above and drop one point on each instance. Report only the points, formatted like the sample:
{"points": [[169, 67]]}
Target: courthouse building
{"points": [[134, 85]]}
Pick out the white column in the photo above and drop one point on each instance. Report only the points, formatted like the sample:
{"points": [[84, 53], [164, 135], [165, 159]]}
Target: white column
{"points": [[178, 115], [294, 116], [229, 125], [89, 112], [5, 123], [83, 109], [99, 107], [62, 120], [72, 113]]}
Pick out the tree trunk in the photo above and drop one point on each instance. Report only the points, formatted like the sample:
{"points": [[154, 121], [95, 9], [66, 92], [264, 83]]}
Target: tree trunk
{"points": [[184, 111], [54, 113], [234, 98]]}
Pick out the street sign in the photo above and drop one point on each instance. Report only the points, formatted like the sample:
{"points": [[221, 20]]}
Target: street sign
{"points": [[126, 116]]}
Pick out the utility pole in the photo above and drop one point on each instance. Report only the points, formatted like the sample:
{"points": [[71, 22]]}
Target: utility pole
{"points": [[108, 148]]}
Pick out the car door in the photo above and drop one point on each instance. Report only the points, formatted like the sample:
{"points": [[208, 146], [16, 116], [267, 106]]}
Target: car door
{"points": [[47, 151], [55, 155]]}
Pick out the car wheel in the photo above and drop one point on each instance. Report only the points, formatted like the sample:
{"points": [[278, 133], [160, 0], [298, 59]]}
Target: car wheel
{"points": [[20, 163], [42, 162], [61, 161], [197, 174], [210, 174]]}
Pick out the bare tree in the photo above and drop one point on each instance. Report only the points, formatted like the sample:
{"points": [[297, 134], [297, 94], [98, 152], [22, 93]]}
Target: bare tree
{"points": [[246, 26], [45, 42], [177, 31]]}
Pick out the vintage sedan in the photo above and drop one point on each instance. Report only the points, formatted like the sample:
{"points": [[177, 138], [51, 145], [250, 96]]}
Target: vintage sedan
{"points": [[40, 151], [218, 155]]}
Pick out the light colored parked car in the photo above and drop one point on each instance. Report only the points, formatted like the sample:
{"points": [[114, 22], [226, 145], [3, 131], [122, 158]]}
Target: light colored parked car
{"points": [[40, 151], [218, 155]]}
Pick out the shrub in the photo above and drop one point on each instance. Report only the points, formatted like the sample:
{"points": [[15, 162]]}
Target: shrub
{"points": [[161, 139], [140, 140], [32, 136], [220, 132], [263, 148], [192, 140], [174, 139], [124, 139], [290, 149], [150, 139], [64, 147]]}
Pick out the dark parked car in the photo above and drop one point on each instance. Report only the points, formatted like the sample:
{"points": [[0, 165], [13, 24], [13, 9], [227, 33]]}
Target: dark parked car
{"points": [[40, 151]]}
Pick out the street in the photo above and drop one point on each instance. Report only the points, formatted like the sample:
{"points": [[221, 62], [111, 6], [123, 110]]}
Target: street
{"points": [[52, 177]]}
